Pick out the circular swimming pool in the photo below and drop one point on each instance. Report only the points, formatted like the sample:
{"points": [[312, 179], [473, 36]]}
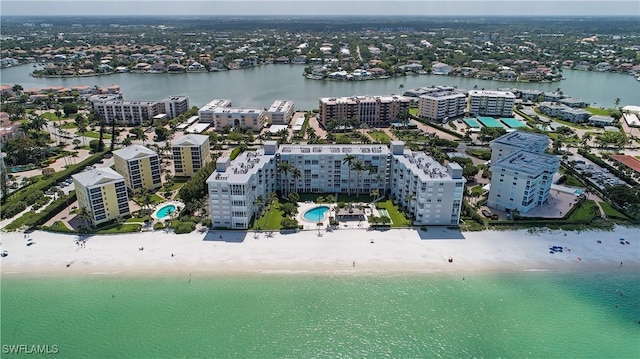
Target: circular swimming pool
{"points": [[315, 214], [165, 211]]}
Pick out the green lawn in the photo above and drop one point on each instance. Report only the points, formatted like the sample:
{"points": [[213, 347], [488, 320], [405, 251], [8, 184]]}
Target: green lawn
{"points": [[137, 219], [50, 116], [380, 136], [611, 212], [598, 111], [477, 189], [413, 111], [480, 153], [125, 228], [270, 219], [584, 212], [573, 182], [398, 219], [96, 135], [69, 125]]}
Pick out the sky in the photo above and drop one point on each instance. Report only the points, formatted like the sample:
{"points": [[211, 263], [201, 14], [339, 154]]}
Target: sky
{"points": [[322, 7]]}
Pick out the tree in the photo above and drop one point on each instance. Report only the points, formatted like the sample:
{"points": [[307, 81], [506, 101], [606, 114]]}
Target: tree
{"points": [[616, 102], [101, 137], [284, 168], [138, 133], [358, 166], [127, 141], [86, 215], [293, 197], [296, 174], [161, 134], [289, 209], [70, 108], [349, 159]]}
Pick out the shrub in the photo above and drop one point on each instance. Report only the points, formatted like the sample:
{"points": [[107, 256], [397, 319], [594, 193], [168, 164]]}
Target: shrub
{"points": [[157, 226], [13, 209], [185, 227]]}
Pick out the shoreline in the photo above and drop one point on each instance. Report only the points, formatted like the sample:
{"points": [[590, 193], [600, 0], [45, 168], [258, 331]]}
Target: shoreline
{"points": [[343, 252]]}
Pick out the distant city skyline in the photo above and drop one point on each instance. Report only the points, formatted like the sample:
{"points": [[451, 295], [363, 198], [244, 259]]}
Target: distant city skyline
{"points": [[322, 7]]}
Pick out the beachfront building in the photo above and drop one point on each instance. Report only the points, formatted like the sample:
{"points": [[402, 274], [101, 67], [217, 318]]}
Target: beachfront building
{"points": [[133, 113], [512, 142], [491, 103], [429, 192], [521, 180], [280, 112], [438, 106], [207, 112], [375, 111], [190, 153], [521, 172], [139, 166], [103, 193]]}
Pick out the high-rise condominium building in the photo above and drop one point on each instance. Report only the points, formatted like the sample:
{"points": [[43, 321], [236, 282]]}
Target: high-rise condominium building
{"points": [[139, 166], [430, 192], [491, 103], [190, 153], [103, 193], [371, 110], [521, 173]]}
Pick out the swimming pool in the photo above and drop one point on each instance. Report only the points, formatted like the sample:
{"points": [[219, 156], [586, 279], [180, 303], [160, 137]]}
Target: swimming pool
{"points": [[315, 214], [165, 211]]}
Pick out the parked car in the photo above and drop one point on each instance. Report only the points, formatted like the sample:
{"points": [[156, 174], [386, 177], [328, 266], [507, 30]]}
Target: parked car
{"points": [[486, 213]]}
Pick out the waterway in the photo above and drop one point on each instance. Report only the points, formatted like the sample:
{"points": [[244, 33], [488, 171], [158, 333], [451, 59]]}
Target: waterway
{"points": [[260, 86]]}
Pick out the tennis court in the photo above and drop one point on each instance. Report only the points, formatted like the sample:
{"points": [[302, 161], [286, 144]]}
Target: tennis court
{"points": [[489, 122], [471, 122], [512, 123]]}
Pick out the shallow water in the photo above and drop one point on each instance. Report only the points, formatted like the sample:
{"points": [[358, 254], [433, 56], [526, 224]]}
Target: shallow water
{"points": [[512, 315]]}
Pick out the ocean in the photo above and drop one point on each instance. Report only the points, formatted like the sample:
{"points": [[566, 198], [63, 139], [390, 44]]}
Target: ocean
{"points": [[436, 315]]}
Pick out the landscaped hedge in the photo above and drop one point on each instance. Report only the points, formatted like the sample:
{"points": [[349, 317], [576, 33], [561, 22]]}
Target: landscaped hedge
{"points": [[441, 128], [32, 219], [44, 184]]}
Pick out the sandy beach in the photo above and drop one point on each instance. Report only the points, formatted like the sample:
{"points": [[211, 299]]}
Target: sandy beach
{"points": [[340, 251]]}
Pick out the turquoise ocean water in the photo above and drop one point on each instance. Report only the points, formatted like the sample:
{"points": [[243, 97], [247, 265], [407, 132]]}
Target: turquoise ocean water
{"points": [[488, 315]]}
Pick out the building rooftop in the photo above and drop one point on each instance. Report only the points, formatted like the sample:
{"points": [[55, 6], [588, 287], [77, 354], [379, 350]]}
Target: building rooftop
{"points": [[241, 168], [425, 167], [522, 139], [487, 93], [356, 99], [190, 140], [96, 177], [334, 149], [527, 163], [134, 151], [281, 106], [214, 104]]}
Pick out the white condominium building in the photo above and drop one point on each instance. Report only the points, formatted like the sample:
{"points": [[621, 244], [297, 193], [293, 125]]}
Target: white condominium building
{"points": [[175, 105], [372, 110], [516, 141], [133, 113], [207, 112], [437, 106], [431, 192], [521, 180], [280, 112], [234, 186], [491, 103]]}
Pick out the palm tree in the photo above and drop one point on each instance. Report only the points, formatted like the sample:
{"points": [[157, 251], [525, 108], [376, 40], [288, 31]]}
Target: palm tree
{"points": [[358, 166], [296, 174], [127, 141], [145, 199], [284, 168], [259, 202], [74, 154], [349, 160], [86, 215], [17, 89]]}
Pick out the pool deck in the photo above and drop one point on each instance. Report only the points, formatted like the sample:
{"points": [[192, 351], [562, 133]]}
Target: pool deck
{"points": [[303, 207], [160, 206]]}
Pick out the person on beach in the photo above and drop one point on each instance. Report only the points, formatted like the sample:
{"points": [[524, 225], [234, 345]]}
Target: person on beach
{"points": [[354, 264]]}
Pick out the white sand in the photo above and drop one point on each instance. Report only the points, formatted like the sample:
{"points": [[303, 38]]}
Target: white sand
{"points": [[397, 250]]}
